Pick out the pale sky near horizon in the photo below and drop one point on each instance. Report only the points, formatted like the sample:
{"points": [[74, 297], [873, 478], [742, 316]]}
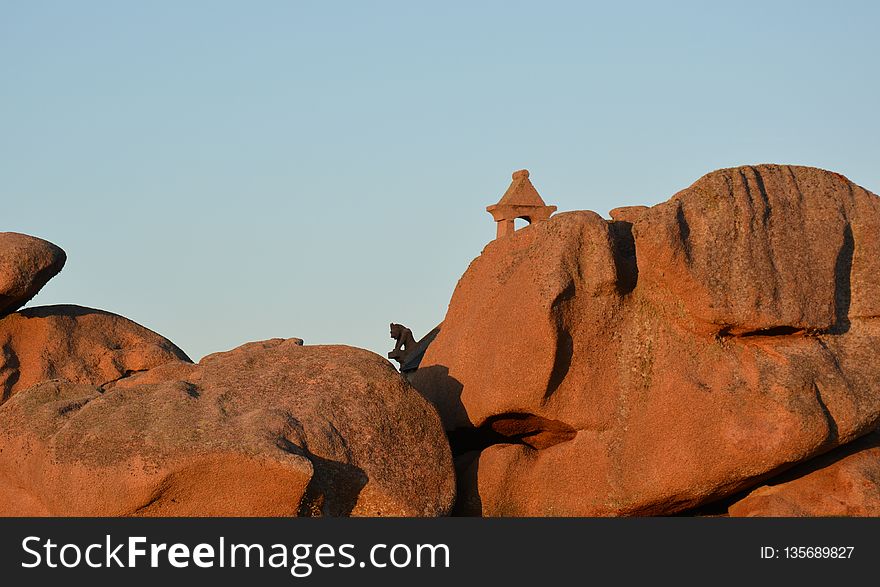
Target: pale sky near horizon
{"points": [[222, 172]]}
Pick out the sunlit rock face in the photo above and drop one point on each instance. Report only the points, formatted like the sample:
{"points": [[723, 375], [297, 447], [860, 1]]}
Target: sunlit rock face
{"points": [[272, 428], [668, 358]]}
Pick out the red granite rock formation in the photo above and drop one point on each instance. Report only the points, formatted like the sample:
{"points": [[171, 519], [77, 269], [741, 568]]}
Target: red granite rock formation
{"points": [[667, 359], [268, 429], [77, 344], [844, 482], [26, 264]]}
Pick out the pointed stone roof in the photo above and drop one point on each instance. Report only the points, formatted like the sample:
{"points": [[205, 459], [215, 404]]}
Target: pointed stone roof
{"points": [[521, 192], [521, 200]]}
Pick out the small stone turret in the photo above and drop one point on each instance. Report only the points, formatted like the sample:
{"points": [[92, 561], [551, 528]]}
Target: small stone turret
{"points": [[521, 200]]}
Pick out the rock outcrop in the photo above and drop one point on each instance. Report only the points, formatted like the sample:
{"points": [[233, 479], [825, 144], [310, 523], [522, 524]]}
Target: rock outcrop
{"points": [[763, 248], [268, 429], [720, 350], [669, 358], [76, 344], [844, 482], [26, 264]]}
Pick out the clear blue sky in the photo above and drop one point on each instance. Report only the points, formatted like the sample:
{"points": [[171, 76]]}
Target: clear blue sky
{"points": [[231, 171]]}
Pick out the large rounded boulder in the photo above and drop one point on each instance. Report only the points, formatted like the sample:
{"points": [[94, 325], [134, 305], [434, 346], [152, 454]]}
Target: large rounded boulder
{"points": [[26, 264], [76, 344], [666, 359], [269, 429]]}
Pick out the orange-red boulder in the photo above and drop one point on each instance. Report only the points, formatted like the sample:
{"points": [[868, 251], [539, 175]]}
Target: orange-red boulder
{"points": [[77, 344], [269, 429], [759, 248], [26, 264], [844, 482], [667, 359]]}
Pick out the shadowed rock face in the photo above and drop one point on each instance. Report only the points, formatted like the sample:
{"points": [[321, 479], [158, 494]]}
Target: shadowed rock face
{"points": [[268, 429], [667, 359], [77, 344], [26, 264]]}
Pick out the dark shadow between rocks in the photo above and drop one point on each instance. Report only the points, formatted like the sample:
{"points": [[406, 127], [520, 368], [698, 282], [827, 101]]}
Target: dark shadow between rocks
{"points": [[786, 474], [11, 366], [684, 232], [334, 487], [333, 490], [443, 392], [866, 442], [467, 444], [467, 494], [833, 437], [564, 341], [528, 429], [623, 249], [842, 282], [61, 310]]}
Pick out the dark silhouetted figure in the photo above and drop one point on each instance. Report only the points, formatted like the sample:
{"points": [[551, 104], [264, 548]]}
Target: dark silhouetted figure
{"points": [[407, 351]]}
